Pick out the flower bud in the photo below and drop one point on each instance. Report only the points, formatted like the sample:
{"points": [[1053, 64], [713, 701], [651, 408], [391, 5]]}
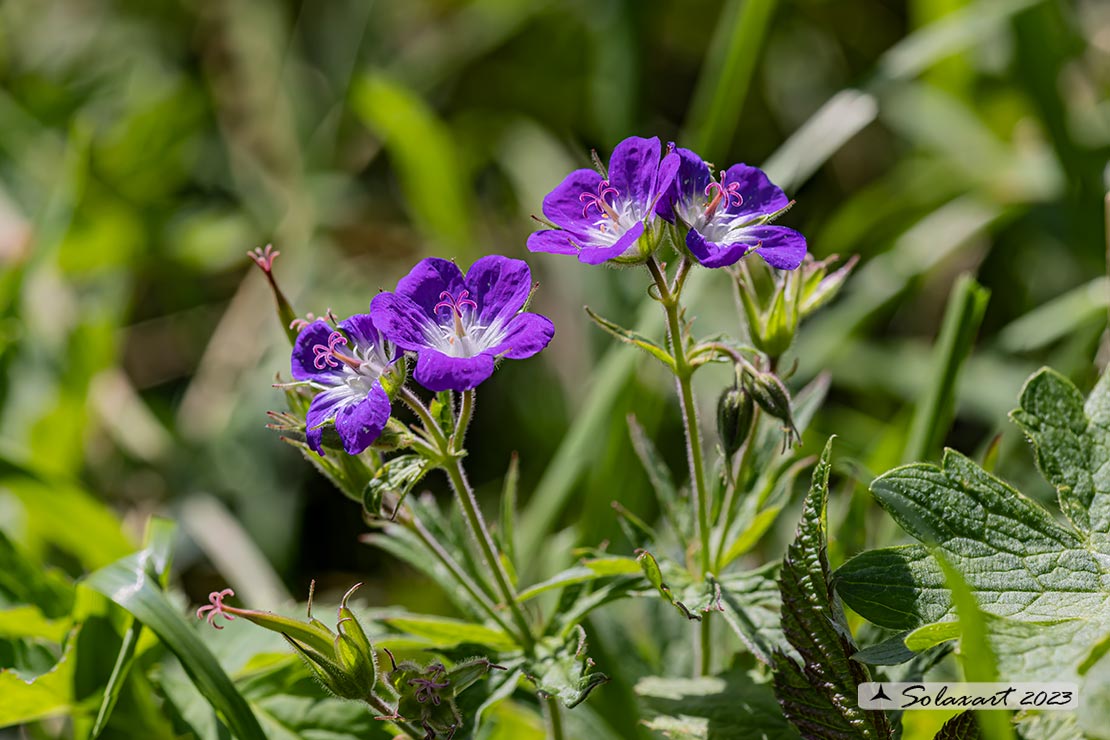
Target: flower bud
{"points": [[735, 411], [771, 395]]}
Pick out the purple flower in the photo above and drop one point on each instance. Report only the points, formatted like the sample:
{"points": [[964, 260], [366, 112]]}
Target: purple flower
{"points": [[604, 219], [459, 325], [347, 364], [730, 218]]}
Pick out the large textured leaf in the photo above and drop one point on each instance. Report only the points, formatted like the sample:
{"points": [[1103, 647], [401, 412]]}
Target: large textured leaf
{"points": [[819, 695], [1042, 583], [725, 707]]}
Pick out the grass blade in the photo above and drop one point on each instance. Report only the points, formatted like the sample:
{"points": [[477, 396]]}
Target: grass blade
{"points": [[966, 306]]}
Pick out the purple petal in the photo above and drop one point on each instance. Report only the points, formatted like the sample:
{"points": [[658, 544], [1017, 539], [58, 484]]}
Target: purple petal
{"points": [[359, 424], [322, 408], [690, 179], [552, 242], [711, 254], [400, 320], [597, 255], [634, 167], [527, 334], [781, 247], [428, 279], [761, 196], [563, 205], [499, 285], [304, 359], [438, 372]]}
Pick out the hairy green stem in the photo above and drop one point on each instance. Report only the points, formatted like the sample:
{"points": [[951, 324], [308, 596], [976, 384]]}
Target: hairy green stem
{"points": [[413, 524], [554, 716], [683, 372], [466, 412], [386, 710]]}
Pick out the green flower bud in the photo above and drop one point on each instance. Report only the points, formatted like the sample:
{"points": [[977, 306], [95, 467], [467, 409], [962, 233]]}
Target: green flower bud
{"points": [[771, 395], [735, 412]]}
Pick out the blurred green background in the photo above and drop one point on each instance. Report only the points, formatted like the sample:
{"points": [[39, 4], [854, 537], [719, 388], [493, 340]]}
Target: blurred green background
{"points": [[146, 146]]}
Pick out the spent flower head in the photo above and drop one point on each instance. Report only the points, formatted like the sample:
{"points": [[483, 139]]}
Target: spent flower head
{"points": [[459, 325], [611, 216]]}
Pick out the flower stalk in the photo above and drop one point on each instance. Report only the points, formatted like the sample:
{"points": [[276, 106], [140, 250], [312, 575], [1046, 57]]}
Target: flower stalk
{"points": [[684, 372]]}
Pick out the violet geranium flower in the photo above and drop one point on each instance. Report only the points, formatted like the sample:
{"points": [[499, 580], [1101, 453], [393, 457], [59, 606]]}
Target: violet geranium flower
{"points": [[728, 218], [347, 364], [458, 326], [602, 219]]}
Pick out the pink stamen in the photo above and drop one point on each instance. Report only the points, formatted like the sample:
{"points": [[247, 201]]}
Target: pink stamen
{"points": [[326, 354], [597, 200], [264, 258], [730, 193], [455, 305], [216, 607]]}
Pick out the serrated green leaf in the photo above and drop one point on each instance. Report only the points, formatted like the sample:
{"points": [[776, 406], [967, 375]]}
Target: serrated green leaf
{"points": [[751, 605], [819, 695], [1032, 575], [731, 706], [960, 727], [1071, 440]]}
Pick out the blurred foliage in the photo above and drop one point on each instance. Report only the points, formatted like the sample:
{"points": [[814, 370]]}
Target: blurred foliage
{"points": [[146, 146]]}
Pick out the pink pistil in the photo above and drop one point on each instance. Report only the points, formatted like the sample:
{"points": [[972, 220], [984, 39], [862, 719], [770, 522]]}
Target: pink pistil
{"points": [[597, 200], [326, 355], [216, 607], [264, 258]]}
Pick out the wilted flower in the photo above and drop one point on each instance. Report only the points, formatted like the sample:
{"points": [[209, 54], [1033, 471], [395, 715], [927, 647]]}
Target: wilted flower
{"points": [[602, 218], [347, 364], [343, 661], [729, 218], [459, 325]]}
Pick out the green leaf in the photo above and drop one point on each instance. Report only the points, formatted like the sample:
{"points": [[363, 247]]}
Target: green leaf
{"points": [[128, 583], [561, 668], [65, 515], [589, 570], [966, 305], [397, 475], [48, 695], [1040, 583], [1072, 445], [157, 552], [978, 659], [657, 471], [751, 606], [819, 695], [507, 534], [634, 338], [730, 706], [960, 727], [442, 632]]}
